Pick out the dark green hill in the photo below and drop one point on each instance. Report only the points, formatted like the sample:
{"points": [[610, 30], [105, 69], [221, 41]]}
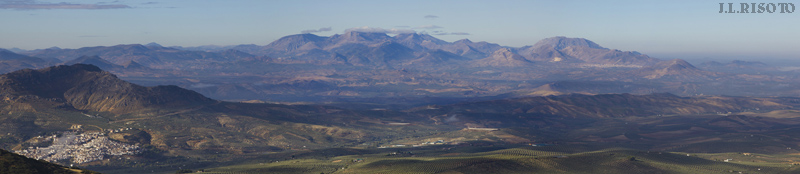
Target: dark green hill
{"points": [[87, 87], [13, 163], [509, 160]]}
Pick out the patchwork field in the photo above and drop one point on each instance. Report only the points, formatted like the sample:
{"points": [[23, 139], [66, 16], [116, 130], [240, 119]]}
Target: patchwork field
{"points": [[523, 159]]}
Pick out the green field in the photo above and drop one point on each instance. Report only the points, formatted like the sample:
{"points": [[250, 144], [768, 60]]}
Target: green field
{"points": [[517, 159]]}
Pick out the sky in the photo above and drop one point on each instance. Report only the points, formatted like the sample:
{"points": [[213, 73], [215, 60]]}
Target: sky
{"points": [[663, 29]]}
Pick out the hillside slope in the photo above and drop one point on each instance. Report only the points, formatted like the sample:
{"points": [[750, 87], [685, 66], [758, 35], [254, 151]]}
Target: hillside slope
{"points": [[87, 87], [13, 163]]}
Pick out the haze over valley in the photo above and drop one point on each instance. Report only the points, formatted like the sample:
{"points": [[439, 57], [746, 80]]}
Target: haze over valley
{"points": [[421, 87]]}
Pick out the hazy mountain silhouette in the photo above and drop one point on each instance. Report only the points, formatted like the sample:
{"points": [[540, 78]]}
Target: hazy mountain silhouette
{"points": [[739, 66], [555, 49], [10, 61], [151, 56], [673, 69], [93, 60]]}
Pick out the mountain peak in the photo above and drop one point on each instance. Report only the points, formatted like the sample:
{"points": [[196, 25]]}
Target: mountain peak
{"points": [[711, 63], [132, 65], [561, 42], [676, 64], [504, 57], [306, 37], [506, 53], [503, 51], [294, 42], [747, 63], [153, 44], [356, 36], [132, 47], [463, 41], [675, 68], [404, 35], [417, 38]]}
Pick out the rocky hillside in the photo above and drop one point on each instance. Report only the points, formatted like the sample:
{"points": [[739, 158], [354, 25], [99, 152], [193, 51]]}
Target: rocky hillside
{"points": [[503, 58], [87, 87]]}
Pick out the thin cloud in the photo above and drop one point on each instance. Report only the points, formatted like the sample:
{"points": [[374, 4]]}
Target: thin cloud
{"points": [[149, 3], [316, 31], [379, 30], [451, 33], [427, 27], [16, 1], [92, 36], [112, 2], [34, 5], [431, 16]]}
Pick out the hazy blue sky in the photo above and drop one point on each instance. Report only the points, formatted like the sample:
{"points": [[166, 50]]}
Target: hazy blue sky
{"points": [[669, 29]]}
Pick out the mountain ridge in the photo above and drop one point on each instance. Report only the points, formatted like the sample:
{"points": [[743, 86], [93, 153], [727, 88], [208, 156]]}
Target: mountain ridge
{"points": [[410, 64], [87, 87], [503, 58], [554, 49]]}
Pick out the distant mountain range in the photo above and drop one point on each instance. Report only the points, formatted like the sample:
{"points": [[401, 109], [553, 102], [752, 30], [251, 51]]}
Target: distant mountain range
{"points": [[354, 48], [363, 65], [10, 61], [154, 56], [555, 49]]}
